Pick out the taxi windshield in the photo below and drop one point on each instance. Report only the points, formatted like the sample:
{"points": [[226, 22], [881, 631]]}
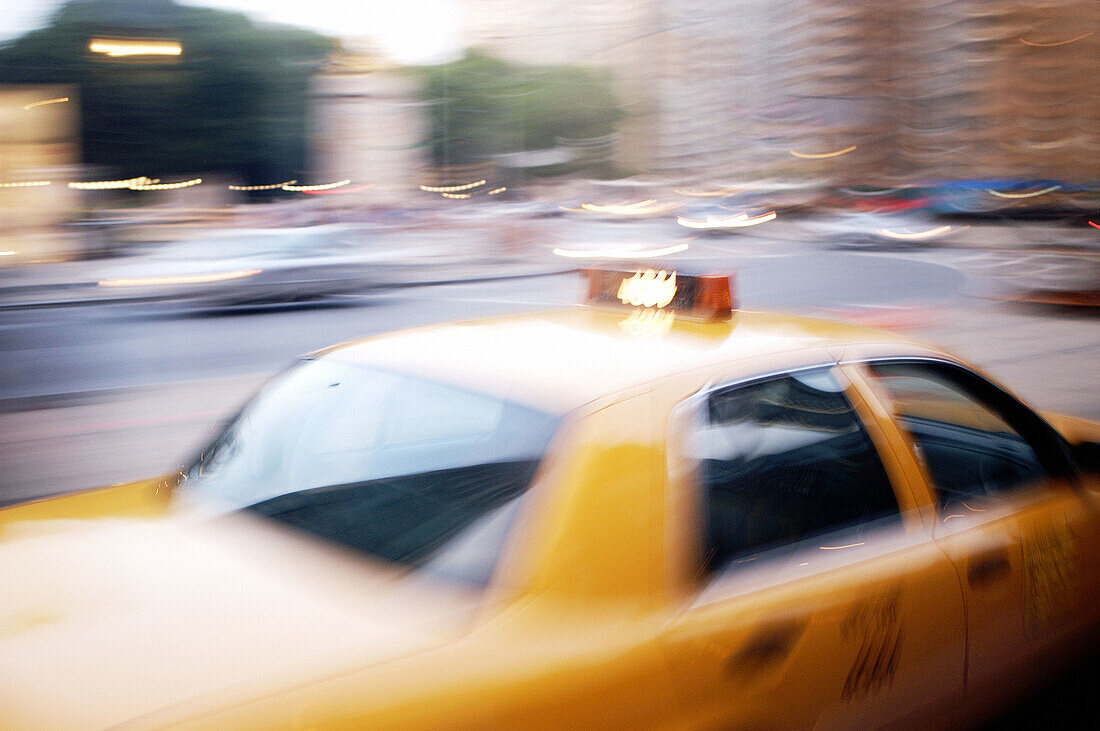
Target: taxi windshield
{"points": [[409, 470]]}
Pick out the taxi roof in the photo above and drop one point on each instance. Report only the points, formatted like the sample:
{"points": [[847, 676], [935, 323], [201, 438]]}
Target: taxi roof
{"points": [[562, 359]]}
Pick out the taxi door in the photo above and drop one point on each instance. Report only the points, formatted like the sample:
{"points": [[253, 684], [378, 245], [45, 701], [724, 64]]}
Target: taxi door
{"points": [[820, 598], [1007, 515]]}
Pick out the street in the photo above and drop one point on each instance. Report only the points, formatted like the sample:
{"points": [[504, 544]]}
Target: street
{"points": [[108, 392], [307, 416]]}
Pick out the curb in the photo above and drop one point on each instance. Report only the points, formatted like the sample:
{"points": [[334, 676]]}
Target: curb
{"points": [[486, 278]]}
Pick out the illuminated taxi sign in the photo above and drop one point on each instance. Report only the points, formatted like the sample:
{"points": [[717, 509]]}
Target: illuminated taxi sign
{"points": [[705, 297], [648, 289]]}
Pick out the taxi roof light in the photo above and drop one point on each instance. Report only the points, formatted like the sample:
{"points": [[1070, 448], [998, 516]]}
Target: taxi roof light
{"points": [[714, 296], [708, 297]]}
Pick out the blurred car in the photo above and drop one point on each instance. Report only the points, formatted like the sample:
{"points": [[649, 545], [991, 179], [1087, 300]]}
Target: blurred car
{"points": [[623, 209], [725, 217], [1012, 199], [247, 267], [882, 230], [652, 511], [871, 199]]}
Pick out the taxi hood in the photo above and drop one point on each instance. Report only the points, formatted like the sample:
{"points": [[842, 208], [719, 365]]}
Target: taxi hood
{"points": [[104, 620]]}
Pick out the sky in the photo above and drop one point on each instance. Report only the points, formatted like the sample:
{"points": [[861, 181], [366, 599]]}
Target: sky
{"points": [[412, 31]]}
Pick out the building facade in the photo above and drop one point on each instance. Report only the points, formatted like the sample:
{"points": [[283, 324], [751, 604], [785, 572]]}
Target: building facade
{"points": [[846, 90], [369, 127], [38, 156]]}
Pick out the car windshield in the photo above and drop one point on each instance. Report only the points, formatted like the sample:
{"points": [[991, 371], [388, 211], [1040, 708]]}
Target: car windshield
{"points": [[409, 470]]}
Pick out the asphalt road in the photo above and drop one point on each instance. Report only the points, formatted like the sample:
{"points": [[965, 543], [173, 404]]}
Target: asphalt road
{"points": [[50, 350]]}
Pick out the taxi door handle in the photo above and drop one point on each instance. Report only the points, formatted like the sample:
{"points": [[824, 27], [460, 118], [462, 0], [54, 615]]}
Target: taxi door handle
{"points": [[766, 646], [988, 566]]}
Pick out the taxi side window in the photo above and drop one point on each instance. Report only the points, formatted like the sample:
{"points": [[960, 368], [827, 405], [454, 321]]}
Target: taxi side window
{"points": [[974, 439], [782, 460]]}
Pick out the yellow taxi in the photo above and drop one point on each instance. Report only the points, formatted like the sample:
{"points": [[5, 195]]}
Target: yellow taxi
{"points": [[653, 510]]}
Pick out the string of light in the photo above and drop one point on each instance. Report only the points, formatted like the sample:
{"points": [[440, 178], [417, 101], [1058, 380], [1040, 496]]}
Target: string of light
{"points": [[271, 186], [451, 188], [323, 186]]}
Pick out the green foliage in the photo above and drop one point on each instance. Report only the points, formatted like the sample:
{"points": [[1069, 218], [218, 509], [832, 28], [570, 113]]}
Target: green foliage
{"points": [[235, 101], [481, 106]]}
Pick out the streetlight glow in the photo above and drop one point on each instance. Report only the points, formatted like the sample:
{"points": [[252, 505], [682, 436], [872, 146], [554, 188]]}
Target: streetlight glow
{"points": [[115, 47]]}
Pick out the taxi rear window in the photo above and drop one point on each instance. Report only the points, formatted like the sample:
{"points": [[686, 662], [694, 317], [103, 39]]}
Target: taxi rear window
{"points": [[782, 460], [409, 470]]}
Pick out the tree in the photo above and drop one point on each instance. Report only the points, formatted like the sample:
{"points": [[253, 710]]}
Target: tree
{"points": [[235, 101], [481, 106]]}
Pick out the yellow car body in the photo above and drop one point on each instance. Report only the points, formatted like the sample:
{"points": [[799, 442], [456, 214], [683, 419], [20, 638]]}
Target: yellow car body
{"points": [[121, 609]]}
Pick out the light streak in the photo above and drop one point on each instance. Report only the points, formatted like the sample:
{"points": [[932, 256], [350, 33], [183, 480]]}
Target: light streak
{"points": [[117, 48], [322, 186], [837, 548], [754, 220], [1094, 225], [883, 191], [1023, 195], [929, 234], [706, 194], [339, 191], [629, 252], [638, 204], [1053, 145], [1058, 43], [26, 184], [153, 185], [618, 207], [460, 196], [823, 155], [271, 186], [710, 221], [495, 191], [181, 279], [7, 253], [44, 102], [451, 188], [113, 184], [641, 208], [741, 220]]}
